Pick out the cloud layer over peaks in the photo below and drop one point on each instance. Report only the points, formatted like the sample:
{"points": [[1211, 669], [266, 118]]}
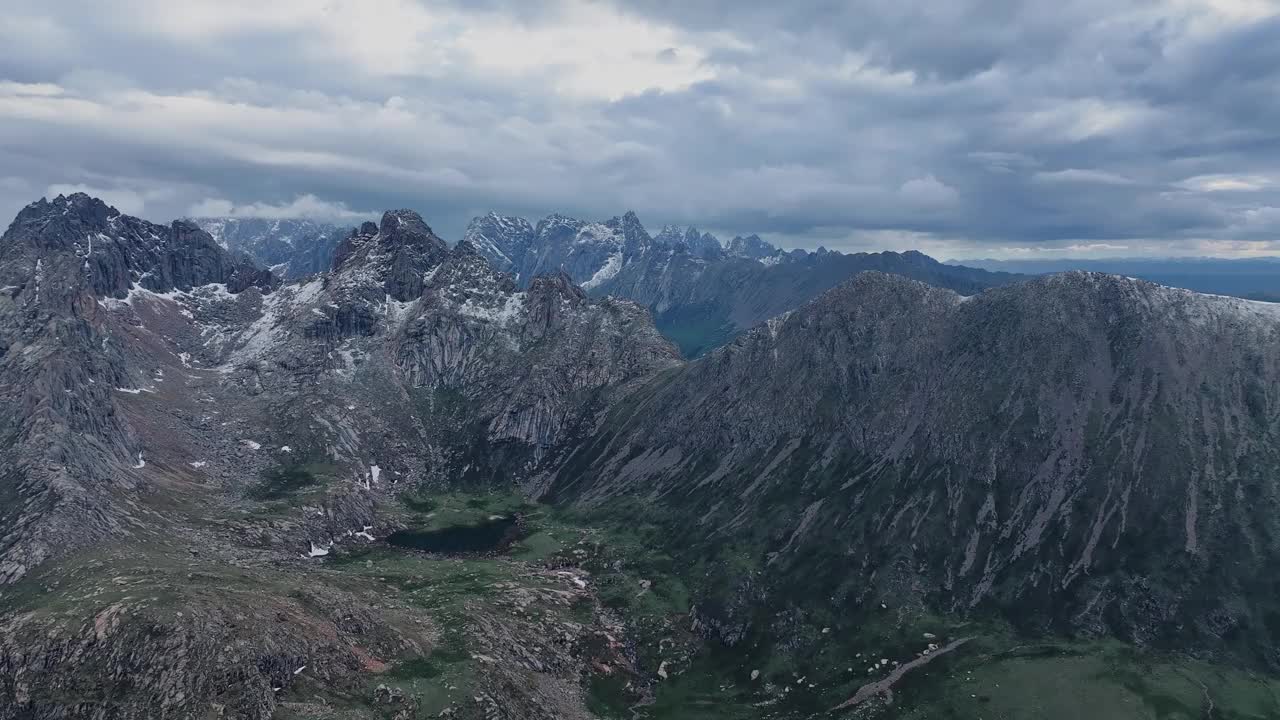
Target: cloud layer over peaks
{"points": [[966, 129]]}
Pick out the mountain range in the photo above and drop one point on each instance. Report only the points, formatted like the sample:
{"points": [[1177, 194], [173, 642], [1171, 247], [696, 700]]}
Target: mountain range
{"points": [[473, 481], [290, 248], [700, 291]]}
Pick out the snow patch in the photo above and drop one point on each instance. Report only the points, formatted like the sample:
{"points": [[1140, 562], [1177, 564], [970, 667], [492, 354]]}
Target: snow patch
{"points": [[502, 316], [317, 551], [307, 292], [607, 272]]}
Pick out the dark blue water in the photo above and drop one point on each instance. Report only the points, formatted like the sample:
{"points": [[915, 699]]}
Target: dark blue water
{"points": [[489, 536]]}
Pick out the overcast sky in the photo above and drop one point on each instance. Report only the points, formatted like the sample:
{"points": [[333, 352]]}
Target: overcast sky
{"points": [[964, 129]]}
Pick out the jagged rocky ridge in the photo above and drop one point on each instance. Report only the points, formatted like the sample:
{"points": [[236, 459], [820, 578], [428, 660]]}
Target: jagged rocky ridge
{"points": [[700, 293], [149, 381], [66, 447], [99, 305], [1081, 453]]}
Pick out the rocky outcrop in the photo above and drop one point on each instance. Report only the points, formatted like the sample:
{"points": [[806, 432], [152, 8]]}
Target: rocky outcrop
{"points": [[400, 252]]}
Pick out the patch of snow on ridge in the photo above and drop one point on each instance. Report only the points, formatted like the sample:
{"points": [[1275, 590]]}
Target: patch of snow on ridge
{"points": [[307, 292], [317, 551], [397, 310], [607, 272], [215, 291], [1201, 307], [597, 234], [264, 332], [509, 311]]}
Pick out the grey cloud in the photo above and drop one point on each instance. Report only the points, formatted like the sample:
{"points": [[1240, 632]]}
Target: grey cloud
{"points": [[992, 124]]}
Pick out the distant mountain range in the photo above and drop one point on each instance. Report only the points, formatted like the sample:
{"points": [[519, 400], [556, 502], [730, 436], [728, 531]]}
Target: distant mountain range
{"points": [[1252, 278], [701, 292], [290, 248]]}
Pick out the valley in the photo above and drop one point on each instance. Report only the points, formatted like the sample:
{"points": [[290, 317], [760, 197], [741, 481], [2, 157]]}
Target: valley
{"points": [[578, 616], [412, 487]]}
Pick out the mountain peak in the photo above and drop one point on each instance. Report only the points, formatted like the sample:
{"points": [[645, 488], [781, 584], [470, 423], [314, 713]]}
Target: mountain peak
{"points": [[502, 240], [406, 224], [635, 239], [398, 253], [558, 285], [82, 203], [465, 247], [77, 212], [78, 245], [752, 246]]}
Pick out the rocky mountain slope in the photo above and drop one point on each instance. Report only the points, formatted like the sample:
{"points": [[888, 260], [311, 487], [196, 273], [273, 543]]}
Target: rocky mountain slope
{"points": [[68, 449], [165, 403], [1081, 453], [700, 292], [291, 248], [227, 495], [101, 309]]}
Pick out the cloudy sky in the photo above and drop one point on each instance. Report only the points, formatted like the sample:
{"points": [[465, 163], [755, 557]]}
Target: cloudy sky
{"points": [[965, 129]]}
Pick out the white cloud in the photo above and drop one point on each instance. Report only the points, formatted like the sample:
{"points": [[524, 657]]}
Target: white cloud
{"points": [[16, 89], [929, 191], [1077, 119], [1204, 17], [1078, 175], [594, 107], [304, 206], [592, 50], [212, 207], [585, 49], [1229, 183], [1238, 248], [858, 68], [378, 37]]}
